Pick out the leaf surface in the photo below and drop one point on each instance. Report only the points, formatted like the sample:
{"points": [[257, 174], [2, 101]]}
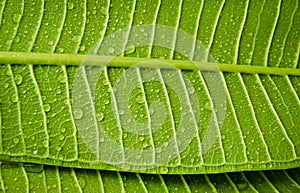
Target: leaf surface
{"points": [[255, 121]]}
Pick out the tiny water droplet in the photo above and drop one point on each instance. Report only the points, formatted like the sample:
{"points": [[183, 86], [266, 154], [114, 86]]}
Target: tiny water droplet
{"points": [[62, 78], [140, 98], [50, 43], [103, 11], [18, 79], [111, 50], [70, 5], [47, 107], [208, 106], [61, 50], [6, 85], [130, 48], [61, 137], [100, 116], [62, 129], [163, 170], [191, 90], [82, 48], [14, 98], [16, 140], [78, 113], [141, 138], [76, 39], [34, 152], [16, 18], [58, 91]]}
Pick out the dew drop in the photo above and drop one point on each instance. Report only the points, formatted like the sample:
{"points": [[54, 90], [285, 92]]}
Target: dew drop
{"points": [[14, 98], [141, 138], [16, 18], [76, 39], [58, 91], [16, 140], [61, 137], [62, 129], [103, 11], [130, 49], [6, 85], [163, 170], [82, 48], [50, 43], [100, 116], [47, 107], [70, 5], [34, 152], [140, 98], [111, 50], [208, 106], [78, 113], [61, 78], [18, 79], [191, 90], [61, 50]]}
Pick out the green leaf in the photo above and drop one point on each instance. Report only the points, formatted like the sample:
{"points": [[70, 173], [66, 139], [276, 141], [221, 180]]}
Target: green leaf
{"points": [[57, 101], [38, 178]]}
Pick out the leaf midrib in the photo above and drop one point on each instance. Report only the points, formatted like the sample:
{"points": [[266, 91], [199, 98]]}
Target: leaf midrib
{"points": [[117, 61]]}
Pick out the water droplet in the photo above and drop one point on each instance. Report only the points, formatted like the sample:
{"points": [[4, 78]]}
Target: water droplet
{"points": [[14, 98], [106, 101], [141, 138], [100, 116], [18, 79], [61, 137], [76, 39], [47, 107], [17, 39], [61, 50], [62, 129], [50, 43], [208, 106], [78, 113], [103, 11], [34, 152], [62, 78], [140, 98], [16, 140], [70, 5], [82, 48], [130, 48], [16, 18], [58, 91], [58, 148], [6, 85], [191, 90], [111, 50], [163, 170]]}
